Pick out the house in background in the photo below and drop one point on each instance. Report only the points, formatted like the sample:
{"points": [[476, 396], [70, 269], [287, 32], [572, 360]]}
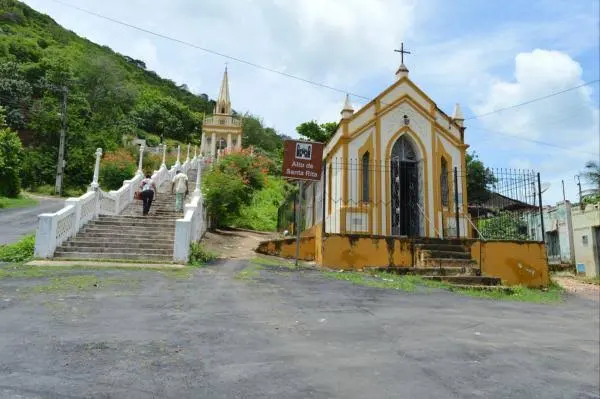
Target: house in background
{"points": [[586, 238]]}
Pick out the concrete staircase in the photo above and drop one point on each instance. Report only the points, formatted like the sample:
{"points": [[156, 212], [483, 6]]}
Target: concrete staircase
{"points": [[446, 260], [130, 236]]}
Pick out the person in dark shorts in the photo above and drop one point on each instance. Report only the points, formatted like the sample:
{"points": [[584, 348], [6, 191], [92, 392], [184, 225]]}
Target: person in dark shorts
{"points": [[148, 193]]}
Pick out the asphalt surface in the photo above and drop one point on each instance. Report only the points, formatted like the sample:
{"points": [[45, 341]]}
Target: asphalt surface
{"points": [[18, 222], [276, 333]]}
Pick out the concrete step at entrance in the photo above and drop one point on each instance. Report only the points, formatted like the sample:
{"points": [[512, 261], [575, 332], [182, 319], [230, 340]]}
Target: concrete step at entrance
{"points": [[466, 280], [443, 247], [131, 231], [115, 255], [431, 271], [435, 254], [147, 222], [445, 262]]}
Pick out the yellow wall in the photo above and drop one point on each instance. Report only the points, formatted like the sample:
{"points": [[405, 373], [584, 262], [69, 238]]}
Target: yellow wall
{"points": [[515, 262], [357, 252], [286, 248]]}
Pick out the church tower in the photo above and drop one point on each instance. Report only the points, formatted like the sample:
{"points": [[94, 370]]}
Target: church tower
{"points": [[221, 132]]}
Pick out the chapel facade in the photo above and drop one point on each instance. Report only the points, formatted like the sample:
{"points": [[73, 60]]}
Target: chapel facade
{"points": [[222, 131], [395, 167]]}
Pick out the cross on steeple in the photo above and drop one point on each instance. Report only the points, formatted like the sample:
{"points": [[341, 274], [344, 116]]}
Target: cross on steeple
{"points": [[402, 52]]}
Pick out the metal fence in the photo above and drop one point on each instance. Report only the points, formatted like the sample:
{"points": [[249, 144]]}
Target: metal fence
{"points": [[404, 198]]}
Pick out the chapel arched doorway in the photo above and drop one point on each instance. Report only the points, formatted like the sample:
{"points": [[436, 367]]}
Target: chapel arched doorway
{"points": [[404, 165]]}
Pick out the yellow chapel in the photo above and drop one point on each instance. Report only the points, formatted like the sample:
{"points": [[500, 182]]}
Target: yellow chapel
{"points": [[395, 167]]}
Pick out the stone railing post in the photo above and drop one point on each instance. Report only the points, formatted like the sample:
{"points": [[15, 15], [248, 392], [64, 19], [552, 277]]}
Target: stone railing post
{"points": [[195, 151], [94, 186], [181, 248], [198, 179], [76, 202], [140, 171], [178, 163], [164, 164], [187, 158], [45, 237]]}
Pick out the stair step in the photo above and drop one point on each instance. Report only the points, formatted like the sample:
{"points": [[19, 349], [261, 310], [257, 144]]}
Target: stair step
{"points": [[125, 236], [443, 247], [431, 271], [134, 222], [152, 244], [446, 262], [501, 288], [115, 255], [466, 280], [146, 251], [436, 254]]}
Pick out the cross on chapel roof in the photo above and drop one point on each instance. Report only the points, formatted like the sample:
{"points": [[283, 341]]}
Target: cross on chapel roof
{"points": [[402, 70]]}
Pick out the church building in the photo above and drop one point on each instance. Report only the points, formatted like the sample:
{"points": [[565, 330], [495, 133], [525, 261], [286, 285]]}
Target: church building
{"points": [[390, 168], [221, 131]]}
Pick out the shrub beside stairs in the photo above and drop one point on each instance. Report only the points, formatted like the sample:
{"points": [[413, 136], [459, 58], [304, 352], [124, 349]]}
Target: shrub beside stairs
{"points": [[130, 236]]}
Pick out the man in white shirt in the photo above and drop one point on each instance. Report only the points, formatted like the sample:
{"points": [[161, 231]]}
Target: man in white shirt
{"points": [[180, 187]]}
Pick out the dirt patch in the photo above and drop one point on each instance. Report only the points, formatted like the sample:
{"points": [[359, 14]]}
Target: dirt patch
{"points": [[235, 243], [579, 288]]}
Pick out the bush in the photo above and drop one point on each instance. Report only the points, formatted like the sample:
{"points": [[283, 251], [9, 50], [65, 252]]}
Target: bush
{"points": [[116, 166], [19, 251], [11, 155], [261, 214], [199, 255]]}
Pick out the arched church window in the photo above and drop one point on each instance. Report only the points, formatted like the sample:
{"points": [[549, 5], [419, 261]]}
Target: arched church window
{"points": [[403, 150], [222, 110], [365, 176], [444, 182]]}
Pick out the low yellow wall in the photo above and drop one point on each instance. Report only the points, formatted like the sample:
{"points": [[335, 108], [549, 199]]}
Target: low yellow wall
{"points": [[346, 251], [286, 248], [515, 262]]}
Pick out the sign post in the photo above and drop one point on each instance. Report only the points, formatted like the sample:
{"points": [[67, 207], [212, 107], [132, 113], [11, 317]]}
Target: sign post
{"points": [[302, 160]]}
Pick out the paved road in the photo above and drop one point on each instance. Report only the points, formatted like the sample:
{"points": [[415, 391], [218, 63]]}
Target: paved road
{"points": [[15, 223], [277, 333]]}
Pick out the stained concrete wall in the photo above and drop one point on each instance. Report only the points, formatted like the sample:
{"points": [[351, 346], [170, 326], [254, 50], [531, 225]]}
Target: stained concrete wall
{"points": [[515, 262], [286, 248], [346, 251]]}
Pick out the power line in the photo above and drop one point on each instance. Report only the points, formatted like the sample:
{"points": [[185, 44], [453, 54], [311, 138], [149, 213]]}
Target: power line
{"points": [[288, 75], [250, 63], [532, 100]]}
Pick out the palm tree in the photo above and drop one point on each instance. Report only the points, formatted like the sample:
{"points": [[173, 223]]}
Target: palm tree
{"points": [[592, 175]]}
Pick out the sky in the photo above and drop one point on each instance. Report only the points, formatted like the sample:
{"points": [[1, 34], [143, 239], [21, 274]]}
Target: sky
{"points": [[485, 55]]}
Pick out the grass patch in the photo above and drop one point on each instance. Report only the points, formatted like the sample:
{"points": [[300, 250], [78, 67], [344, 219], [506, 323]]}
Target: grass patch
{"points": [[200, 256], [18, 252], [80, 283], [22, 201], [553, 294], [249, 273], [409, 283]]}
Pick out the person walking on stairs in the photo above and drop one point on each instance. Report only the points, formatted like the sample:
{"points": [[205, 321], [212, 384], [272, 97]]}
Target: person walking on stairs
{"points": [[180, 186], [148, 189]]}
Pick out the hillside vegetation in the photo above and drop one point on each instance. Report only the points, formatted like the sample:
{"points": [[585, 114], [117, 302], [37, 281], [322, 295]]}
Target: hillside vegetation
{"points": [[109, 96]]}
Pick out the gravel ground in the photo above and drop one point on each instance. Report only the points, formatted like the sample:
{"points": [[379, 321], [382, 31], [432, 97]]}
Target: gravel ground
{"points": [[579, 288], [234, 330]]}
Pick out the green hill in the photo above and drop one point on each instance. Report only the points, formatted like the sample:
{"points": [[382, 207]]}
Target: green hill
{"points": [[109, 96]]}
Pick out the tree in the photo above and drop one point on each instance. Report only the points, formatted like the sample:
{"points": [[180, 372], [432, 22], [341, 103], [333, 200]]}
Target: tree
{"points": [[313, 131], [15, 94], [592, 175], [11, 156], [479, 180]]}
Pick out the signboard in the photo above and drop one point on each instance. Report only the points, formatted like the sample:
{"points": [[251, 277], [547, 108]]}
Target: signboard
{"points": [[302, 160]]}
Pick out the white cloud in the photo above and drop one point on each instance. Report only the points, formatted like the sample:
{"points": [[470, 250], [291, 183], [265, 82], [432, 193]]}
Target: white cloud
{"points": [[569, 120]]}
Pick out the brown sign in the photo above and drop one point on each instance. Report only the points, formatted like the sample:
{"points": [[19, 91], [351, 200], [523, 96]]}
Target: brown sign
{"points": [[302, 160]]}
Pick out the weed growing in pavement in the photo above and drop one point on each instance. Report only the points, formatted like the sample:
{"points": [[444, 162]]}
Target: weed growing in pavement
{"points": [[18, 252], [199, 256]]}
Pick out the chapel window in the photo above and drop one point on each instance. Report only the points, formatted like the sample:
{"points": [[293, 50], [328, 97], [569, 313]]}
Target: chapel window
{"points": [[365, 176], [444, 182]]}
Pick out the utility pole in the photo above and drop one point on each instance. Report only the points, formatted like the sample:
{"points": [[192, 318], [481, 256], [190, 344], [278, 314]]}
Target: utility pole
{"points": [[579, 187], [60, 167]]}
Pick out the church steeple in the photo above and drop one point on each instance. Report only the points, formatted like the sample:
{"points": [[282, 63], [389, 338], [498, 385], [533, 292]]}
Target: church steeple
{"points": [[223, 105]]}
